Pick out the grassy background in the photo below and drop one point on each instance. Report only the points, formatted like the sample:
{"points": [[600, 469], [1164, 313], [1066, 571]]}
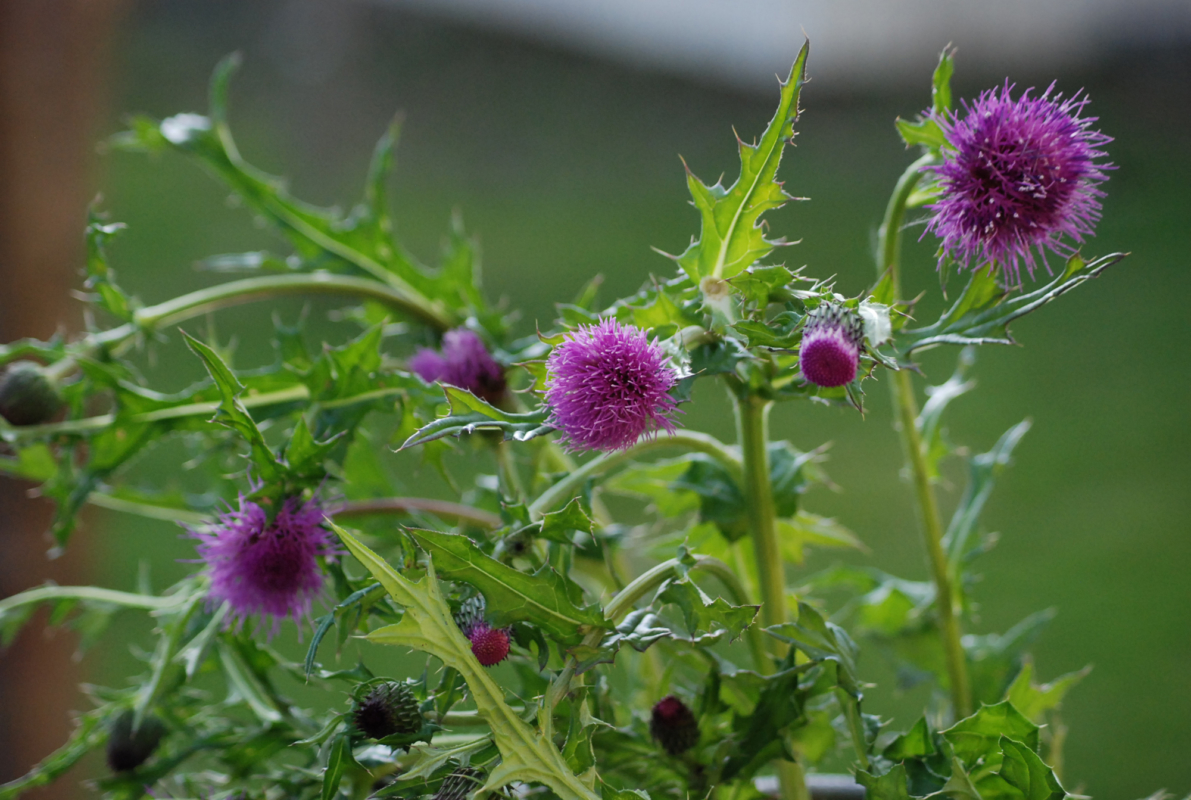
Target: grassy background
{"points": [[567, 167]]}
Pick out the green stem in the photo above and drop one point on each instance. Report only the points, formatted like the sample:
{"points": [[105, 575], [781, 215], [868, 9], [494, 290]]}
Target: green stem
{"points": [[889, 235], [905, 408], [851, 707], [124, 599], [404, 505], [752, 417], [565, 489], [234, 293]]}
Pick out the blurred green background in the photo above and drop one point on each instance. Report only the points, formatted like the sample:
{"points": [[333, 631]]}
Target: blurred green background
{"points": [[566, 166]]}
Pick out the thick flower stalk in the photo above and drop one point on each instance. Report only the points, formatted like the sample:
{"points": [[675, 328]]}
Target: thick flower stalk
{"points": [[1018, 177], [607, 386], [463, 361], [266, 568], [830, 351]]}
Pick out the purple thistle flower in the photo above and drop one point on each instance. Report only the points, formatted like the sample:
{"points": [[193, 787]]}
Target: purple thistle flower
{"points": [[1017, 176], [465, 362], [830, 351], [489, 645], [607, 385], [266, 568]]}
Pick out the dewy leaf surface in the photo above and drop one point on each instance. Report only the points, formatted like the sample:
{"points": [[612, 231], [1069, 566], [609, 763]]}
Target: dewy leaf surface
{"points": [[513, 596], [732, 238], [526, 755]]}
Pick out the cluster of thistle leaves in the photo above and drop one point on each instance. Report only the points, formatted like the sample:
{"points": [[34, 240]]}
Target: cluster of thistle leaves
{"points": [[606, 618]]}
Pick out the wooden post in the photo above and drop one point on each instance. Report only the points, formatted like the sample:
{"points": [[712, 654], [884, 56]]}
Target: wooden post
{"points": [[52, 84]]}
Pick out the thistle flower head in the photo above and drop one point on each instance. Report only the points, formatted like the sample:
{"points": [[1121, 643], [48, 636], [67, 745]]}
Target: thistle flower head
{"points": [[390, 708], [459, 784], [830, 350], [674, 726], [1018, 176], [463, 361], [489, 645], [266, 568], [607, 385]]}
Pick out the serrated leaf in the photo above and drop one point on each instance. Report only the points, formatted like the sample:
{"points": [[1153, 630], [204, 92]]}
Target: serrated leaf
{"points": [[822, 641], [806, 529], [336, 763], [427, 625], [983, 470], [702, 614], [983, 313], [1026, 772], [889, 785], [930, 420], [232, 413], [518, 427], [543, 598], [977, 738], [759, 736], [732, 237], [918, 742], [1034, 700], [559, 526]]}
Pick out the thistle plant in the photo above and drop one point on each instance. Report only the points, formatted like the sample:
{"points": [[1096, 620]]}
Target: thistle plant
{"points": [[540, 640]]}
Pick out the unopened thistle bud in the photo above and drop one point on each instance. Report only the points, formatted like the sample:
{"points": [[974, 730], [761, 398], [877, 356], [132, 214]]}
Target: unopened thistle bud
{"points": [[389, 709], [459, 784], [489, 645], [674, 726], [128, 749], [831, 342], [27, 396]]}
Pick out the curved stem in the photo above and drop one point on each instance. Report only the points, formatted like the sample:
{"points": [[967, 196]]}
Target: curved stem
{"points": [[562, 491], [889, 235], [124, 599], [404, 505], [905, 411], [249, 290]]}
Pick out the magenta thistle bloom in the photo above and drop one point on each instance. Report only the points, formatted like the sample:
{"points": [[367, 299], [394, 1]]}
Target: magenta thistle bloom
{"points": [[266, 568], [465, 362], [489, 645], [830, 351], [1017, 177], [607, 385]]}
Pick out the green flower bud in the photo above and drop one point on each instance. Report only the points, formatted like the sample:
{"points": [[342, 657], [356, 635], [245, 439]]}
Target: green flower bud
{"points": [[128, 749], [27, 396]]}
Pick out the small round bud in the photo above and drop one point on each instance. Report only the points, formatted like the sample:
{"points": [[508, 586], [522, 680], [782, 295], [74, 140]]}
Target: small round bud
{"points": [[674, 726], [489, 645], [459, 784], [27, 396], [389, 709], [831, 342], [128, 749]]}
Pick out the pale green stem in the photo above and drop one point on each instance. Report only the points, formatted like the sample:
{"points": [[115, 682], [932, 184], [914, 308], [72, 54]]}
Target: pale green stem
{"points": [[562, 491], [905, 408], [851, 707], [124, 599], [233, 293], [752, 415]]}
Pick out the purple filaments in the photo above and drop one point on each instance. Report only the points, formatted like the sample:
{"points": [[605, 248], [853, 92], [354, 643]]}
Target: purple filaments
{"points": [[1017, 177], [830, 352], [489, 645], [266, 568], [465, 362], [607, 385]]}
